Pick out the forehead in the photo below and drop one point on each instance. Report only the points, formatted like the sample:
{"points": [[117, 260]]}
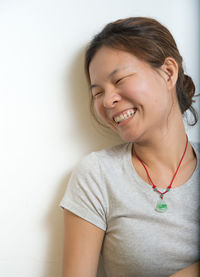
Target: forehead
{"points": [[108, 60]]}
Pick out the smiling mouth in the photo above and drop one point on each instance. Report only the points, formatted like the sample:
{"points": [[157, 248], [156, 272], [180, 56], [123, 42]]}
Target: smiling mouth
{"points": [[124, 115]]}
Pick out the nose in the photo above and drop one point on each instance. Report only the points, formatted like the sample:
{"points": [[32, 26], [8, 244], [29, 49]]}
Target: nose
{"points": [[111, 98]]}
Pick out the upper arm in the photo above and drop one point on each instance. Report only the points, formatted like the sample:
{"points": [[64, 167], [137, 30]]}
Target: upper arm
{"points": [[190, 271], [82, 246]]}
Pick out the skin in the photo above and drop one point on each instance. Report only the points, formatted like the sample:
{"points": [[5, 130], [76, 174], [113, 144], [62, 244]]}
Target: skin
{"points": [[82, 246], [120, 81], [134, 84], [190, 271]]}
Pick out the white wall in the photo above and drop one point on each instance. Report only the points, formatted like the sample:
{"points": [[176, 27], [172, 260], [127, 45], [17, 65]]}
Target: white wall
{"points": [[44, 119]]}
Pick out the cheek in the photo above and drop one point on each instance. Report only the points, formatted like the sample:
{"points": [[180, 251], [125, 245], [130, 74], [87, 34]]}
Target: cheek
{"points": [[98, 108], [148, 94], [136, 90]]}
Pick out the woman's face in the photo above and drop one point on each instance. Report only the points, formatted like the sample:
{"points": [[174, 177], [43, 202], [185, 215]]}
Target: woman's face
{"points": [[129, 96]]}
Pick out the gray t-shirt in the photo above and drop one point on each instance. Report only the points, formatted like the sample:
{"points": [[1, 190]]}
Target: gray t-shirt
{"points": [[105, 190]]}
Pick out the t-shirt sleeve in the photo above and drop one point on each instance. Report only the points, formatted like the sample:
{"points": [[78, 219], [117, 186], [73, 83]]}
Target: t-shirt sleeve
{"points": [[85, 193]]}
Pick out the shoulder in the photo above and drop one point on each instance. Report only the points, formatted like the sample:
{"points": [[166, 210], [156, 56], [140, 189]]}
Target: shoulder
{"points": [[108, 154], [102, 161]]}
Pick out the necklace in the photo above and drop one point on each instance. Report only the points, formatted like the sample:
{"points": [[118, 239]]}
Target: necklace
{"points": [[161, 204]]}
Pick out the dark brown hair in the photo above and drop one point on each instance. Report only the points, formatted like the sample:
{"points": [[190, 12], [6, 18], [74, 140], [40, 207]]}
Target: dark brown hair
{"points": [[149, 41]]}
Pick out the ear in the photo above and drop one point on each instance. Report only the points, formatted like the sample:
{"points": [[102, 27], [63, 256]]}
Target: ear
{"points": [[170, 72]]}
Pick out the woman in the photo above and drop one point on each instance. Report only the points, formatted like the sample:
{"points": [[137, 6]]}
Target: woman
{"points": [[136, 205]]}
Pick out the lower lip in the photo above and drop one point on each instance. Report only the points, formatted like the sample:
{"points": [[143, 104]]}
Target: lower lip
{"points": [[126, 121]]}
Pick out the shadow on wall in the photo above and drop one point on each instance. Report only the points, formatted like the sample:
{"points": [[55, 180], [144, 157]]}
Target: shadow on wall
{"points": [[54, 223], [93, 137]]}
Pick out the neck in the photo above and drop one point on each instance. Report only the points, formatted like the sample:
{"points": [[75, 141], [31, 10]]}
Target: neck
{"points": [[164, 150]]}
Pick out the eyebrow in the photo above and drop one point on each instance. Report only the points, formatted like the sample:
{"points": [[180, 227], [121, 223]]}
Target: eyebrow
{"points": [[109, 76]]}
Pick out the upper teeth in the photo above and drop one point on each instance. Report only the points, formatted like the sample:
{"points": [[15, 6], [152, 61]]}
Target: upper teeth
{"points": [[124, 115]]}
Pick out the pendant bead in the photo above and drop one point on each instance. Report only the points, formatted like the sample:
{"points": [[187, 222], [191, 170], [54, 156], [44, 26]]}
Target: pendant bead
{"points": [[161, 206]]}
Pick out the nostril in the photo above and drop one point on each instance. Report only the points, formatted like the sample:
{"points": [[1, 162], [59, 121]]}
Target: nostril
{"points": [[115, 101]]}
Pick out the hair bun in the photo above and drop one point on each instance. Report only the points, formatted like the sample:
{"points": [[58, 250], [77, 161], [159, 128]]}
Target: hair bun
{"points": [[189, 87], [188, 91], [186, 96]]}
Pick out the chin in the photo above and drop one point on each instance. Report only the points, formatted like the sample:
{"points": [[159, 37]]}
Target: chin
{"points": [[128, 138], [128, 135], [131, 137]]}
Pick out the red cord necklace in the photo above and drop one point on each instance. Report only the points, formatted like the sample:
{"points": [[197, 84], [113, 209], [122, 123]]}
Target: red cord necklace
{"points": [[161, 205]]}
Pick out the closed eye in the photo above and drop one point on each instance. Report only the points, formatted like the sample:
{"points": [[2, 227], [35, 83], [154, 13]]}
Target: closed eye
{"points": [[97, 93], [118, 81], [124, 77]]}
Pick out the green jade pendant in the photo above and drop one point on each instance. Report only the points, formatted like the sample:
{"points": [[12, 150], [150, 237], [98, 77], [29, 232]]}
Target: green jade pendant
{"points": [[161, 206]]}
